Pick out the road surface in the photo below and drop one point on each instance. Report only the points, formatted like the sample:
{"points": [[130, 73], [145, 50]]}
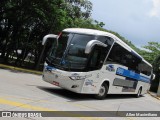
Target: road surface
{"points": [[28, 92]]}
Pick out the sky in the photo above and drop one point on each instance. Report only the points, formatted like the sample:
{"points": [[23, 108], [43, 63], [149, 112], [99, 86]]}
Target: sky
{"points": [[136, 20]]}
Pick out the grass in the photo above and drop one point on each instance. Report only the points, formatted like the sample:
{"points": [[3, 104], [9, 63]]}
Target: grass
{"points": [[20, 69]]}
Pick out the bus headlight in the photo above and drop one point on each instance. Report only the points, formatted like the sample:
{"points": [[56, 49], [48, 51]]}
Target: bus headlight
{"points": [[79, 77]]}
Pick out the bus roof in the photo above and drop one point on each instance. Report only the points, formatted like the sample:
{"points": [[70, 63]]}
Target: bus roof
{"points": [[87, 31], [103, 33]]}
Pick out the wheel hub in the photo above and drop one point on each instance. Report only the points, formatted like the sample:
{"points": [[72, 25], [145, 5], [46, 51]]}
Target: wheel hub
{"points": [[102, 91]]}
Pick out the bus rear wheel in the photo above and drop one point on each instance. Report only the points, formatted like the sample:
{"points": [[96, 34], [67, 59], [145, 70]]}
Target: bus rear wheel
{"points": [[139, 92], [102, 92]]}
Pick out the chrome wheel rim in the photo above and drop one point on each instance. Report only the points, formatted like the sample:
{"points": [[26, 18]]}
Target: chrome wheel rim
{"points": [[102, 91], [139, 92]]}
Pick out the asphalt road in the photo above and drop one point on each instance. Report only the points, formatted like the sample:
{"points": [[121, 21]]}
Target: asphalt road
{"points": [[28, 92]]}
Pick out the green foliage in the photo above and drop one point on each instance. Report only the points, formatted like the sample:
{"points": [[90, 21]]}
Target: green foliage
{"points": [[151, 52], [156, 70], [156, 64], [23, 23]]}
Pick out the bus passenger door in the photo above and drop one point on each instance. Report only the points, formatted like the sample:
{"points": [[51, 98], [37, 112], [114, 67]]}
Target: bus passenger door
{"points": [[96, 58]]}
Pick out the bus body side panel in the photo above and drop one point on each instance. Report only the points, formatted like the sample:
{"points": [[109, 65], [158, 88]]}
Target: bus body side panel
{"points": [[120, 84], [109, 74], [145, 87]]}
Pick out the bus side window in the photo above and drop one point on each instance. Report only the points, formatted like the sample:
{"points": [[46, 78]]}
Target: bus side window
{"points": [[116, 54], [144, 68], [120, 55]]}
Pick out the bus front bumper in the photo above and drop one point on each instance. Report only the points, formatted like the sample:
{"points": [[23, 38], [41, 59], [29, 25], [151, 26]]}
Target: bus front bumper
{"points": [[66, 80]]}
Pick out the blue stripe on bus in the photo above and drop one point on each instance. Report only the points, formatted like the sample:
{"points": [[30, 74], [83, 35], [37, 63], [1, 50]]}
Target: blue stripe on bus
{"points": [[49, 68], [130, 74]]}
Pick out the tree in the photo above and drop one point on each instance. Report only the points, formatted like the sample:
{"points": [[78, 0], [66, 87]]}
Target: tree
{"points": [[23, 23], [156, 70], [151, 52]]}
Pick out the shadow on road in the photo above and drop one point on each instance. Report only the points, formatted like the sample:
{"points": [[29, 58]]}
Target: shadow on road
{"points": [[80, 97]]}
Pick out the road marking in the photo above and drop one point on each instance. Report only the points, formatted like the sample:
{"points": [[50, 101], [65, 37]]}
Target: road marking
{"points": [[58, 102], [22, 105], [73, 104], [21, 98], [26, 106]]}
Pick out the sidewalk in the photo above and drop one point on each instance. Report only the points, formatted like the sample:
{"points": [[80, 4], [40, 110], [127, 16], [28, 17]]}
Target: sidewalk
{"points": [[20, 69], [153, 95]]}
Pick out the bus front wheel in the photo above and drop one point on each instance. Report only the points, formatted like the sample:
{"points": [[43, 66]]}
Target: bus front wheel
{"points": [[102, 92]]}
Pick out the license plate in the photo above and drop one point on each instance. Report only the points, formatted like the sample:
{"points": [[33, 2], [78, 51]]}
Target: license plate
{"points": [[55, 83]]}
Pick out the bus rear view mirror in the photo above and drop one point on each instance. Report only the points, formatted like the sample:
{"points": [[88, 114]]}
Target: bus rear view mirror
{"points": [[91, 44], [49, 36], [153, 76]]}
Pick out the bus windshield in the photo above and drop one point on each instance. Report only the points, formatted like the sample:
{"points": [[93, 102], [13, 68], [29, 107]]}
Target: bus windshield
{"points": [[70, 52]]}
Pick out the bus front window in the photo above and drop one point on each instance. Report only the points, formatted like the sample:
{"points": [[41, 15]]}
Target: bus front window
{"points": [[76, 51], [56, 53], [70, 53]]}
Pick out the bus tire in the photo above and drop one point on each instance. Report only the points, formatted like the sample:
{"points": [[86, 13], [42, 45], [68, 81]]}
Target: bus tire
{"points": [[139, 92], [102, 92]]}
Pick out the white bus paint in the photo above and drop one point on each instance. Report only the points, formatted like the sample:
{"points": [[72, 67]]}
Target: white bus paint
{"points": [[66, 70]]}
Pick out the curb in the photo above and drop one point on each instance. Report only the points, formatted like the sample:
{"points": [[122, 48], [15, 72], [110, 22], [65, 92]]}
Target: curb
{"points": [[154, 95], [20, 69]]}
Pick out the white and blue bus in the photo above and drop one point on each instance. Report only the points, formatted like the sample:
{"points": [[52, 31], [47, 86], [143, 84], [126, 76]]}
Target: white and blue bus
{"points": [[95, 62]]}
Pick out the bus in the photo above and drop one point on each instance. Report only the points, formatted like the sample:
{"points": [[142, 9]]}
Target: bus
{"points": [[88, 61]]}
